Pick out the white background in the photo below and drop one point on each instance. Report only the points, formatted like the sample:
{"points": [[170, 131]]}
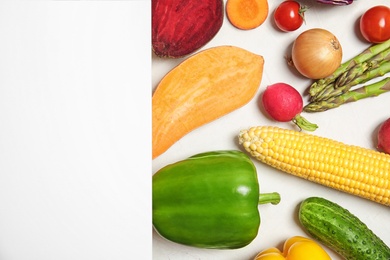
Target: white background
{"points": [[354, 123], [75, 130]]}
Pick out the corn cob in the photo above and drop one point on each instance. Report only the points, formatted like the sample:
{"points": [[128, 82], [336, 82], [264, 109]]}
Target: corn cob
{"points": [[351, 169]]}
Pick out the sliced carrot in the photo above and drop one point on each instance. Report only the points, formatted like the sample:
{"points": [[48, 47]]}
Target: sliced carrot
{"points": [[247, 14], [202, 88]]}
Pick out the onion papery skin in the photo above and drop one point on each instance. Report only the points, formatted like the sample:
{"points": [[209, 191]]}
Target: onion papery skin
{"points": [[316, 53]]}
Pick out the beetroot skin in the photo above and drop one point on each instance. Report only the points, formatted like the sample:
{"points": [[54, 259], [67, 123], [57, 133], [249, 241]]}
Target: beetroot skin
{"points": [[180, 27], [282, 102], [384, 137]]}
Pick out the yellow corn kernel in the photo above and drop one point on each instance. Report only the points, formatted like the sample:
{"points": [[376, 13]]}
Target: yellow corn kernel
{"points": [[352, 169]]}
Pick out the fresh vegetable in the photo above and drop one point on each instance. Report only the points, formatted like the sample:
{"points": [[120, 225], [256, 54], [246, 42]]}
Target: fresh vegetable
{"points": [[209, 200], [247, 14], [371, 90], [295, 248], [337, 89], [340, 230], [180, 27], [204, 87], [316, 53], [289, 15], [351, 169], [336, 2], [284, 103], [375, 24], [384, 136], [374, 56], [365, 71], [369, 74]]}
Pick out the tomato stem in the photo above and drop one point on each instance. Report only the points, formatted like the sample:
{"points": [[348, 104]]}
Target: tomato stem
{"points": [[302, 10]]}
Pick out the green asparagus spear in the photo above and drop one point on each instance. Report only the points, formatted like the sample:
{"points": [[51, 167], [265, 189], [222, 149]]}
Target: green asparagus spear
{"points": [[351, 74], [371, 90], [318, 85], [360, 68], [368, 75]]}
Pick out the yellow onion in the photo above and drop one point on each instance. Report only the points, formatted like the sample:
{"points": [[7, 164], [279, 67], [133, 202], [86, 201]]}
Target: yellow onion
{"points": [[316, 53]]}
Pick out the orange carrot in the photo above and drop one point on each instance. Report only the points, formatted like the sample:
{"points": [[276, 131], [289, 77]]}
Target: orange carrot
{"points": [[247, 14], [202, 88]]}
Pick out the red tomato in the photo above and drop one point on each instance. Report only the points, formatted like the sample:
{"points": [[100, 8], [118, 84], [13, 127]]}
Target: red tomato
{"points": [[289, 15], [375, 24]]}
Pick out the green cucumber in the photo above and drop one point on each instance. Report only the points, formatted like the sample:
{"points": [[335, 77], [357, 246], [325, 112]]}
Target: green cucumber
{"points": [[340, 230]]}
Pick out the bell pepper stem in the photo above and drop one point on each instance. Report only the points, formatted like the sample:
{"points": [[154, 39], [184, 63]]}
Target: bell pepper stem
{"points": [[272, 197]]}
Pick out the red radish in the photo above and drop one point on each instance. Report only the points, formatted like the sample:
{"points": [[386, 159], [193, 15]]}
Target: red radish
{"points": [[284, 103], [384, 137]]}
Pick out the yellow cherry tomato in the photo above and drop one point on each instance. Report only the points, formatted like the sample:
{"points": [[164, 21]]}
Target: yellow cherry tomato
{"points": [[270, 254], [295, 248]]}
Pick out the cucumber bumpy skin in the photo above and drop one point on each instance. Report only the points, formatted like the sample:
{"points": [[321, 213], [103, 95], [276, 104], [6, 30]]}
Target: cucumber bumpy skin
{"points": [[340, 230]]}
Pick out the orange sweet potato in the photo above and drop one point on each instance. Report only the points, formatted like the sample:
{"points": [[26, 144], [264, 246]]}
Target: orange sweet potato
{"points": [[202, 88], [180, 27]]}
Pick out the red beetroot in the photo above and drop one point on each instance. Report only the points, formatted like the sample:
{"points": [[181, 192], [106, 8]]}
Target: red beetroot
{"points": [[180, 27], [384, 137], [284, 103]]}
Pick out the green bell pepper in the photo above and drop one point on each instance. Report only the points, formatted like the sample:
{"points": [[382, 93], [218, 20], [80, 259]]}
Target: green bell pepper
{"points": [[209, 200]]}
